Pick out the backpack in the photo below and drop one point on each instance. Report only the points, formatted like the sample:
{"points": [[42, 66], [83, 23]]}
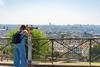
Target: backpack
{"points": [[16, 38]]}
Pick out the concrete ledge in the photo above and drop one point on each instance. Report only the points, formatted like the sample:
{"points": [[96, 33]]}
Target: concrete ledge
{"points": [[52, 65], [62, 66], [55, 64]]}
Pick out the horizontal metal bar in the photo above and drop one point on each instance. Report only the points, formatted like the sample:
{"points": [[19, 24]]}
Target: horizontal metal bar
{"points": [[86, 38]]}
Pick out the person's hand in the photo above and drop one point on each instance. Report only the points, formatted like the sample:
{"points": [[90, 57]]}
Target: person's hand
{"points": [[26, 32]]}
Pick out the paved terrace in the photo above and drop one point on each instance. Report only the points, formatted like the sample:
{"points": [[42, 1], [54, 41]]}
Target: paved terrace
{"points": [[55, 64], [73, 52]]}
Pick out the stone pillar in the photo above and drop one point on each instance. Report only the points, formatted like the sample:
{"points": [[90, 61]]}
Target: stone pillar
{"points": [[29, 50]]}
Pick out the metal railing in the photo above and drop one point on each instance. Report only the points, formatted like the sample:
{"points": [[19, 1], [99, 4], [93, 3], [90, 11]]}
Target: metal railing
{"points": [[65, 50]]}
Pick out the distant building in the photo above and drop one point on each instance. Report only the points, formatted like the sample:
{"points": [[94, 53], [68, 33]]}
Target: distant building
{"points": [[96, 35], [50, 23], [3, 32]]}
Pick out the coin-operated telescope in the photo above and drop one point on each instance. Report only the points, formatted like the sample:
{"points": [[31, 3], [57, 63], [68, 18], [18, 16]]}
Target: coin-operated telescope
{"points": [[30, 27]]}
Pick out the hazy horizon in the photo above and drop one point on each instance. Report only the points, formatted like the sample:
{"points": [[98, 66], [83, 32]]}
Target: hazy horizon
{"points": [[42, 24]]}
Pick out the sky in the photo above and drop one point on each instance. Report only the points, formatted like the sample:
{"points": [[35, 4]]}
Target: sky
{"points": [[43, 12]]}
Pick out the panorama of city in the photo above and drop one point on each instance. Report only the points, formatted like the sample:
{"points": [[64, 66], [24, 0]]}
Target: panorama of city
{"points": [[53, 44], [49, 33]]}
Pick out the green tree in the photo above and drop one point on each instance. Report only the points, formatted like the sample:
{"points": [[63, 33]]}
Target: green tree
{"points": [[41, 46], [95, 52], [11, 45], [39, 43]]}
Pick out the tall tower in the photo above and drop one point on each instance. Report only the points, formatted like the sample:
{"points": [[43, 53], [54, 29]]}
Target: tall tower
{"points": [[50, 23]]}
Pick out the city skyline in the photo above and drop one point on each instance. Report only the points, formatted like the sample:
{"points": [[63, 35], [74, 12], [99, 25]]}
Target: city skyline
{"points": [[42, 12]]}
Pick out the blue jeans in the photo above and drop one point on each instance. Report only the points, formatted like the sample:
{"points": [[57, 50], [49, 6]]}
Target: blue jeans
{"points": [[20, 55]]}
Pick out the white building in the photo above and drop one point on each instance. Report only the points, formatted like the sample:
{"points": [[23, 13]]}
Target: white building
{"points": [[3, 32]]}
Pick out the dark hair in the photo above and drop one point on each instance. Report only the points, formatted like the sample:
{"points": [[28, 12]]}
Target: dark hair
{"points": [[23, 27]]}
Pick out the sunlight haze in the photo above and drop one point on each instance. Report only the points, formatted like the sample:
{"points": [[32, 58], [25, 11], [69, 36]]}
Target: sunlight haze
{"points": [[59, 12]]}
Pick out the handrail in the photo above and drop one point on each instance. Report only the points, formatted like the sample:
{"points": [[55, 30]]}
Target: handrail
{"points": [[86, 42], [67, 38], [58, 38], [5, 38]]}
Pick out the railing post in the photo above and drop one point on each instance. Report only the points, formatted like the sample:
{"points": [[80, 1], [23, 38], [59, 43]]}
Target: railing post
{"points": [[90, 52], [52, 49], [29, 50]]}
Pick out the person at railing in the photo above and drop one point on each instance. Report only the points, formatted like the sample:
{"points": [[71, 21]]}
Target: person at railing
{"points": [[19, 49]]}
